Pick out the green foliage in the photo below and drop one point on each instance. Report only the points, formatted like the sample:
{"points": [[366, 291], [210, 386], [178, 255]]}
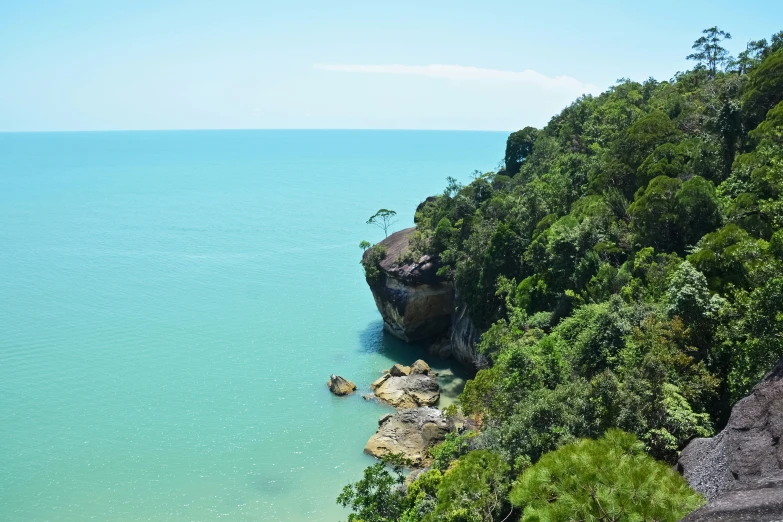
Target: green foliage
{"points": [[518, 147], [371, 263], [655, 214], [626, 272], [474, 489], [764, 89], [377, 497], [383, 219], [606, 479], [451, 449]]}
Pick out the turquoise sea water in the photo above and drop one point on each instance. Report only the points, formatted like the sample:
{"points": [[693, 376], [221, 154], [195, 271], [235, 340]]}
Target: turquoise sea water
{"points": [[172, 304]]}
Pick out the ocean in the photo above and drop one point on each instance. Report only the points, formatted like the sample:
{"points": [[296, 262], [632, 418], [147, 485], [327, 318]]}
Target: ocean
{"points": [[173, 304]]}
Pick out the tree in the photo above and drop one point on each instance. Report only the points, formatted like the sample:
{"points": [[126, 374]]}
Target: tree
{"points": [[709, 52], [383, 219], [747, 59], [474, 489], [603, 480], [518, 147], [655, 213], [364, 245], [378, 496], [764, 89], [698, 209]]}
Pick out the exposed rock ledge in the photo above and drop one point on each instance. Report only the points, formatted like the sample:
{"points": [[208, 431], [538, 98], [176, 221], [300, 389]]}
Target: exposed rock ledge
{"points": [[417, 305], [409, 432], [740, 470], [408, 386]]}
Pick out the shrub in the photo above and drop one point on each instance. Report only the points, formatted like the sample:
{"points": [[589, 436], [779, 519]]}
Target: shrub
{"points": [[606, 479]]}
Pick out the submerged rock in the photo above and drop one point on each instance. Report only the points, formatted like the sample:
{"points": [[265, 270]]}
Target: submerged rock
{"points": [[340, 386], [741, 468], [410, 432]]}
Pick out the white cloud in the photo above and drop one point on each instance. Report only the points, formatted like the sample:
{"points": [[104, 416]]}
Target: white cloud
{"points": [[461, 72]]}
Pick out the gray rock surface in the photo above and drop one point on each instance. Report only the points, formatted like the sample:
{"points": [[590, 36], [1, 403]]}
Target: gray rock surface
{"points": [[759, 500], [747, 449], [410, 432], [409, 391], [340, 386], [741, 467]]}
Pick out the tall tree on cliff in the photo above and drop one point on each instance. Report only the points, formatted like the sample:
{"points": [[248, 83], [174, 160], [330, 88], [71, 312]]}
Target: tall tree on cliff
{"points": [[518, 147], [383, 219], [709, 53]]}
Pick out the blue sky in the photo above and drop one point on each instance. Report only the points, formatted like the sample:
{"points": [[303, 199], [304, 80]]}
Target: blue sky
{"points": [[490, 65]]}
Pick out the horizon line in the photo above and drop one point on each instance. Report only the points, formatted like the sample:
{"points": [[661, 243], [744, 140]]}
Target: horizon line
{"points": [[382, 129]]}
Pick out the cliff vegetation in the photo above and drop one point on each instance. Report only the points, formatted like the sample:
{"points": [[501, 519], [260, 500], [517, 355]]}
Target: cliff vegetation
{"points": [[626, 270]]}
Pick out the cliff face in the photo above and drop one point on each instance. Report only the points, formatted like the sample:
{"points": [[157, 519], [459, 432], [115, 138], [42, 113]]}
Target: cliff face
{"points": [[744, 461], [414, 302], [417, 305], [464, 337]]}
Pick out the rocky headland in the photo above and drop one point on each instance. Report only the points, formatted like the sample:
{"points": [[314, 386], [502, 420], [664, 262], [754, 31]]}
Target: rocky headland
{"points": [[418, 305]]}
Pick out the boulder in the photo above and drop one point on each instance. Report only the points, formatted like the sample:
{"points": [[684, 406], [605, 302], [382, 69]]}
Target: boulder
{"points": [[735, 467], [420, 367], [340, 386], [409, 391], [417, 304], [410, 432], [399, 370]]}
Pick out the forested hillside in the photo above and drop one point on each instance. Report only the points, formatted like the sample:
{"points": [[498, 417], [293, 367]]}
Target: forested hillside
{"points": [[626, 267]]}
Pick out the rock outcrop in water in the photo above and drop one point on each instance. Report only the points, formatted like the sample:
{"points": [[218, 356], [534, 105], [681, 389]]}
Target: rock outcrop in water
{"points": [[740, 470], [414, 302], [417, 305], [340, 386], [410, 432]]}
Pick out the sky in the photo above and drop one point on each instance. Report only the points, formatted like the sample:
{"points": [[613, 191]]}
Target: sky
{"points": [[71, 65]]}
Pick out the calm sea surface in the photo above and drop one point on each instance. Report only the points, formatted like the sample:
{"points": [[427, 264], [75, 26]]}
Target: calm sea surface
{"points": [[172, 304]]}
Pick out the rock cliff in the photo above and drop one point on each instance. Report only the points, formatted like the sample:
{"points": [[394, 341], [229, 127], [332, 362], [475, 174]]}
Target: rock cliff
{"points": [[418, 305], [741, 468]]}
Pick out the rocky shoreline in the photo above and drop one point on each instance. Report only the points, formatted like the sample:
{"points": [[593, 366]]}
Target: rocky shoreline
{"points": [[416, 425]]}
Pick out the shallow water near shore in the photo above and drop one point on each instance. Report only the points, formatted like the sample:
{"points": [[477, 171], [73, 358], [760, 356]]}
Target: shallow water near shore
{"points": [[173, 304]]}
